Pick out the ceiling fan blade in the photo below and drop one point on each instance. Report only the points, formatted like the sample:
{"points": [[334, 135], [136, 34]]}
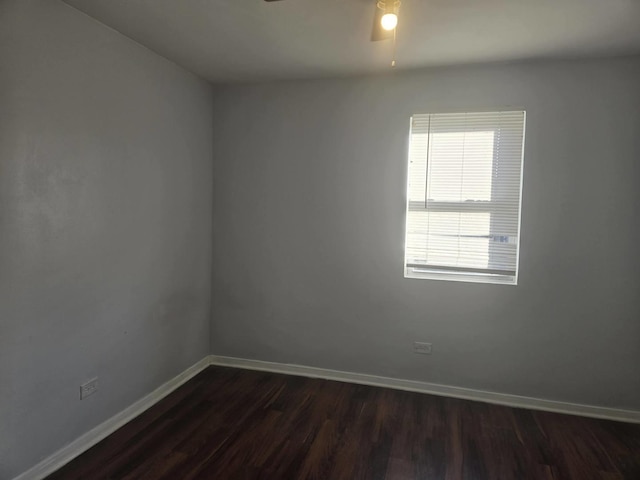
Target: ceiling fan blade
{"points": [[271, 0], [377, 32]]}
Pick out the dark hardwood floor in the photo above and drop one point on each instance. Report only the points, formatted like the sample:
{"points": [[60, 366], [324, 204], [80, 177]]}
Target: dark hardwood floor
{"points": [[237, 424]]}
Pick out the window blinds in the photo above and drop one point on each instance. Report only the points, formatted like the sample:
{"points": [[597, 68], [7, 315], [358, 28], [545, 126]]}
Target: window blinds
{"points": [[464, 189]]}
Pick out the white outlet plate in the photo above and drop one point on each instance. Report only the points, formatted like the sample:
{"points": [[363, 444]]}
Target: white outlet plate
{"points": [[422, 348], [88, 388]]}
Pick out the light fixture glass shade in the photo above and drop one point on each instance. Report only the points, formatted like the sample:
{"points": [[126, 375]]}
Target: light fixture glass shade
{"points": [[389, 21]]}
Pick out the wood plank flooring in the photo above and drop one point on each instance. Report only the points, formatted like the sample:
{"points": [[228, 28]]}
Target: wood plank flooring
{"points": [[238, 424]]}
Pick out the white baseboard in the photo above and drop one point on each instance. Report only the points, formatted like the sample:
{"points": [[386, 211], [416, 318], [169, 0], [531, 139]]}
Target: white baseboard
{"points": [[95, 435], [630, 416]]}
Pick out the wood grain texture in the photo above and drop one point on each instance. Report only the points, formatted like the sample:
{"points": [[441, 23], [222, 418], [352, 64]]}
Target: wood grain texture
{"points": [[237, 424]]}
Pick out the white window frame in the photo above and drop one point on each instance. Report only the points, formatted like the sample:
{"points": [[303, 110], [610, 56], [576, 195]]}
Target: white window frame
{"points": [[463, 274]]}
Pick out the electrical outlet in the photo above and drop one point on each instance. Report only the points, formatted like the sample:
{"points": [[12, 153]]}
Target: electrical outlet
{"points": [[422, 348], [88, 388]]}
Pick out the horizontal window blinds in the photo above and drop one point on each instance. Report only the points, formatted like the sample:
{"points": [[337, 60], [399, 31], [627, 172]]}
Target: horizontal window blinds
{"points": [[464, 186]]}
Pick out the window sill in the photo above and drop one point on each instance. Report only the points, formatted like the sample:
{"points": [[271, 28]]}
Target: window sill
{"points": [[425, 274]]}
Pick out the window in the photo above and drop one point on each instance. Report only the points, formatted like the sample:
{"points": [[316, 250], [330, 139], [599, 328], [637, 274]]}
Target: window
{"points": [[463, 199]]}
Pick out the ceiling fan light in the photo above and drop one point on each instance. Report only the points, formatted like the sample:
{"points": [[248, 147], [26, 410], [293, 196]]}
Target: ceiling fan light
{"points": [[389, 21]]}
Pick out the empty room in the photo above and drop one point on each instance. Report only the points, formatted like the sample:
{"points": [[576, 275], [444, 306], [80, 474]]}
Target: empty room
{"points": [[303, 239]]}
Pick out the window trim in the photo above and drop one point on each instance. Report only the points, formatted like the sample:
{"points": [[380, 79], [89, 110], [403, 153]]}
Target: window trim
{"points": [[463, 274]]}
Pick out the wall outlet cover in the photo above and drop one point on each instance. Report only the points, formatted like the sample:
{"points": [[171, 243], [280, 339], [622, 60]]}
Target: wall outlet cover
{"points": [[422, 348], [88, 388]]}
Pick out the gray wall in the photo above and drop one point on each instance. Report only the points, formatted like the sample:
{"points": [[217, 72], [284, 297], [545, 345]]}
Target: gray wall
{"points": [[309, 199], [105, 225], [106, 194]]}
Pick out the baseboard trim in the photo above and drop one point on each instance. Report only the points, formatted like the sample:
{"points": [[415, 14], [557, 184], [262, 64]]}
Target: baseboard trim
{"points": [[96, 434], [629, 416]]}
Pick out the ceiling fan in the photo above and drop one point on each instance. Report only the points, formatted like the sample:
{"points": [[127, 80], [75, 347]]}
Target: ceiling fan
{"points": [[385, 20]]}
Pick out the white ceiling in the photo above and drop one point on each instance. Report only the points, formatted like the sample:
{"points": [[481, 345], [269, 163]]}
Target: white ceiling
{"points": [[240, 40]]}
